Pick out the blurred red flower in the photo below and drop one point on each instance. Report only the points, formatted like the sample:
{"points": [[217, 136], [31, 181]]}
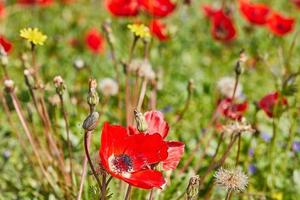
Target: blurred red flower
{"points": [[128, 157], [158, 8], [231, 110], [94, 40], [222, 27], [2, 9], [268, 103], [36, 2], [122, 8], [158, 29], [255, 13], [297, 3], [157, 124], [5, 44], [280, 25]]}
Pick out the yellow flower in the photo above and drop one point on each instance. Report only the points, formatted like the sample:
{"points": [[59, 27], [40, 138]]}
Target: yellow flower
{"points": [[139, 30], [33, 35], [277, 196]]}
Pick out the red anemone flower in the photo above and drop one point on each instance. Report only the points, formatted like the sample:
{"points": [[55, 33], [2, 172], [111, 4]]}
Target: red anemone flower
{"points": [[297, 3], [222, 26], [157, 124], [268, 103], [157, 8], [36, 2], [280, 25], [2, 9], [122, 8], [128, 157], [94, 40], [231, 110], [7, 46], [158, 29], [255, 13]]}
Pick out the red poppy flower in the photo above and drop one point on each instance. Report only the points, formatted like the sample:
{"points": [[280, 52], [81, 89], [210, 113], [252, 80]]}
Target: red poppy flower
{"points": [[2, 9], [255, 13], [231, 110], [122, 8], [208, 10], [36, 2], [157, 8], [157, 124], [222, 26], [94, 41], [158, 29], [297, 3], [268, 103], [280, 25], [5, 44], [128, 157]]}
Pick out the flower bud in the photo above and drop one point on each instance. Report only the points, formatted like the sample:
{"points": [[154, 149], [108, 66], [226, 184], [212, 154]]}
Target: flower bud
{"points": [[193, 188], [59, 85], [191, 86], [9, 85], [29, 80], [142, 125], [91, 121], [93, 97]]}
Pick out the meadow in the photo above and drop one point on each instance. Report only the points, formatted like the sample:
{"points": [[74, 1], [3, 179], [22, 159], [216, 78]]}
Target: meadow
{"points": [[149, 99]]}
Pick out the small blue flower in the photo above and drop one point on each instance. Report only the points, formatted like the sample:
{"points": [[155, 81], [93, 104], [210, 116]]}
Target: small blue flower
{"points": [[251, 152], [252, 169], [265, 136], [296, 146]]}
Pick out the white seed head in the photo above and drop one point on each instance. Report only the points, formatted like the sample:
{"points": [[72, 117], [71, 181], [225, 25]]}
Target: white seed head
{"points": [[135, 65], [9, 83], [79, 63], [238, 127], [146, 71], [108, 87], [231, 179], [226, 87]]}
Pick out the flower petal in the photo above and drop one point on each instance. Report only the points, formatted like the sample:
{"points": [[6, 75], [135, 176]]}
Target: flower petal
{"points": [[145, 149], [146, 179], [156, 123], [175, 153], [113, 141]]}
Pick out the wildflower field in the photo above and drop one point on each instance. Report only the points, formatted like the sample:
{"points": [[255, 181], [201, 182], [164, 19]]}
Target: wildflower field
{"points": [[149, 99]]}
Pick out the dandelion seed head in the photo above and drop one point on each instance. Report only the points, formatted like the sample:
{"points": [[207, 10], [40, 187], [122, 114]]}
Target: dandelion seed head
{"points": [[238, 127], [108, 87], [9, 83], [231, 179], [226, 87]]}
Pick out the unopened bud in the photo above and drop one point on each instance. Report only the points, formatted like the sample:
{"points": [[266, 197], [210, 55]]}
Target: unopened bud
{"points": [[29, 80], [106, 27], [91, 121], [59, 85], [238, 68], [9, 85], [93, 97], [193, 188], [191, 86], [142, 125]]}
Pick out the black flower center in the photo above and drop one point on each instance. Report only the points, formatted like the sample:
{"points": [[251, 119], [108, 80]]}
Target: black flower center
{"points": [[121, 163]]}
